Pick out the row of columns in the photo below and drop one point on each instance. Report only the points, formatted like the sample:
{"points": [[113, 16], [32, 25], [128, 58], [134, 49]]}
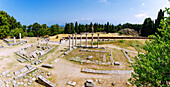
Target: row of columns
{"points": [[81, 41]]}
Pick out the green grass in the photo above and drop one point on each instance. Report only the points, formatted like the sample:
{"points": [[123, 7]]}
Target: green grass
{"points": [[138, 45]]}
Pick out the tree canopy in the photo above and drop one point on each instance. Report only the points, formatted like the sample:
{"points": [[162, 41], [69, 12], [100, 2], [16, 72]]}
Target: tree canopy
{"points": [[153, 67]]}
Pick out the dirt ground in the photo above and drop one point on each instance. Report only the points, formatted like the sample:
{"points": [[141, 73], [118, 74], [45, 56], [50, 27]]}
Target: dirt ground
{"points": [[64, 70]]}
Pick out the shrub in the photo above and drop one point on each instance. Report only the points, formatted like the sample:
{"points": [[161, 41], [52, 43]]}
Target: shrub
{"points": [[121, 41], [121, 32], [30, 34]]}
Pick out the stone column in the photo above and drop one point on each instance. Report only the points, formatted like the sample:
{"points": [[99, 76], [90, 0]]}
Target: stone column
{"points": [[14, 40], [92, 40], [76, 39], [20, 36], [86, 39], [69, 42], [98, 41], [81, 40], [73, 40]]}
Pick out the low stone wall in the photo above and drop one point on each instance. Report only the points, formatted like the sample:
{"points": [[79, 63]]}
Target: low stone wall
{"points": [[22, 56], [93, 50], [20, 76], [45, 82], [126, 55], [12, 44], [106, 71], [91, 62], [47, 51], [111, 37]]}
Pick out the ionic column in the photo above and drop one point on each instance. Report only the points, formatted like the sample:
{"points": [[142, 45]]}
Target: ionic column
{"points": [[20, 36], [76, 39], [98, 41], [86, 39], [80, 39], [92, 40], [69, 42], [73, 40], [14, 40]]}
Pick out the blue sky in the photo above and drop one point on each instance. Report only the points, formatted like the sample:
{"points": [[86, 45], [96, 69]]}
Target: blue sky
{"points": [[84, 11]]}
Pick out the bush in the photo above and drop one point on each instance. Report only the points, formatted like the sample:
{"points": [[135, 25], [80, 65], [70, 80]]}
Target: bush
{"points": [[121, 41], [121, 32], [30, 34]]}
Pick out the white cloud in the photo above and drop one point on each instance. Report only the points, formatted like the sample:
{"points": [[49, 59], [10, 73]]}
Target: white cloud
{"points": [[143, 4], [104, 1], [140, 15]]}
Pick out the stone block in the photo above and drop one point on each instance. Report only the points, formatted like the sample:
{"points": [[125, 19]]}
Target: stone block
{"points": [[45, 82], [23, 69], [116, 63], [5, 73], [29, 66], [16, 72], [71, 83], [47, 66], [2, 83]]}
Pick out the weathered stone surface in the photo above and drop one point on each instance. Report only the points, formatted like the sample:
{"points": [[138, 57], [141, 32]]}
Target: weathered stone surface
{"points": [[5, 73], [89, 57], [105, 71], [104, 58], [45, 82], [21, 60], [8, 75], [113, 84], [1, 57], [125, 53], [89, 83], [47, 66], [71, 83], [93, 50], [29, 66], [20, 76], [23, 69], [128, 83], [31, 70], [116, 63], [2, 83], [44, 47]]}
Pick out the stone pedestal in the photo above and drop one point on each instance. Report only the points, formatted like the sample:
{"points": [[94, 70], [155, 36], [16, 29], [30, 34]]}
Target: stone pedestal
{"points": [[86, 39], [98, 41], [81, 40], [92, 41]]}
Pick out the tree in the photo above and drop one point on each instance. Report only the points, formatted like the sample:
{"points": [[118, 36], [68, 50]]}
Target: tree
{"points": [[76, 27], [91, 27], [36, 29], [157, 21], [147, 27], [107, 28], [72, 28], [152, 68]]}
